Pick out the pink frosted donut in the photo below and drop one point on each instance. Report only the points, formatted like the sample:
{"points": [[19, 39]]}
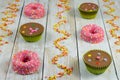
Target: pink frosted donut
{"points": [[25, 62], [34, 10], [92, 33]]}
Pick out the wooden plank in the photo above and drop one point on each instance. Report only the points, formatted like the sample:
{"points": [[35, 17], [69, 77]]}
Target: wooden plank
{"points": [[50, 51], [85, 46], [38, 47], [108, 28], [7, 48]]}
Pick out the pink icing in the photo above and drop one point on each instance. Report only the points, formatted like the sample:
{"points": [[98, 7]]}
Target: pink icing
{"points": [[25, 62], [92, 33], [34, 10]]}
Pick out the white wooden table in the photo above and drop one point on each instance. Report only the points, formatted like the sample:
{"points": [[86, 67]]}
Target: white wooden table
{"points": [[75, 45]]}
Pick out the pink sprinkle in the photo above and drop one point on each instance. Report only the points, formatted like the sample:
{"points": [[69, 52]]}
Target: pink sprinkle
{"points": [[98, 57], [30, 28], [30, 33]]}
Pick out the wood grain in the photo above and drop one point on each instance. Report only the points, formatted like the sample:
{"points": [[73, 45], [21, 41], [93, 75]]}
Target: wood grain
{"points": [[38, 47], [7, 49], [46, 50], [111, 40], [85, 46], [50, 51]]}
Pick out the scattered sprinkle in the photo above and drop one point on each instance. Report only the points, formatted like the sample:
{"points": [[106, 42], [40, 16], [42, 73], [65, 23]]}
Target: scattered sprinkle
{"points": [[115, 26], [64, 51], [8, 19]]}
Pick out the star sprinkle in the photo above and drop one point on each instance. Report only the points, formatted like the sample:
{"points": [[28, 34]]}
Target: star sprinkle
{"points": [[89, 60], [8, 19], [24, 27], [64, 51], [98, 54], [89, 55], [98, 57], [115, 27], [105, 59], [23, 32], [97, 63]]}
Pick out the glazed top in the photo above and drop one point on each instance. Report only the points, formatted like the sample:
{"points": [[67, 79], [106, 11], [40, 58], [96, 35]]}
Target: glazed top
{"points": [[97, 58], [88, 7], [31, 29]]}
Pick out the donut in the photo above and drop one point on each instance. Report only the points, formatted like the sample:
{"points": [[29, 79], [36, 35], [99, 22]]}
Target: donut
{"points": [[92, 33], [34, 10], [25, 62]]}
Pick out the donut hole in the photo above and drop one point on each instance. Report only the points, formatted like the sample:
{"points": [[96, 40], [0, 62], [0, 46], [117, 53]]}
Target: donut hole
{"points": [[26, 59], [93, 31], [34, 7]]}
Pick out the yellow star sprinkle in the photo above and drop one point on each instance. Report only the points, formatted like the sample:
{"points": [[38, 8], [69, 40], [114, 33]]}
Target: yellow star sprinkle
{"points": [[23, 31], [89, 55], [24, 26]]}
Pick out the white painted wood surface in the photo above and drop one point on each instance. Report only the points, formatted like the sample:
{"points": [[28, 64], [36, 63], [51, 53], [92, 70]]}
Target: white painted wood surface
{"points": [[111, 40], [7, 49], [50, 51], [84, 46], [47, 50], [20, 44]]}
